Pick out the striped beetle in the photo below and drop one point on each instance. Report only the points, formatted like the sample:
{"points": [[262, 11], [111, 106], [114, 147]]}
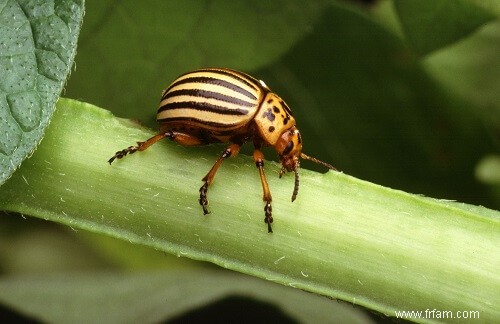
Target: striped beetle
{"points": [[221, 105]]}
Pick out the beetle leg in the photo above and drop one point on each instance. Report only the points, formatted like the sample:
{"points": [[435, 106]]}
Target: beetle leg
{"points": [[282, 171], [258, 157], [141, 146], [181, 138], [184, 139], [231, 150]]}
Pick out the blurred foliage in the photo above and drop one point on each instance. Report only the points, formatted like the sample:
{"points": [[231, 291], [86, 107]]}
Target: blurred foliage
{"points": [[439, 23], [400, 93]]}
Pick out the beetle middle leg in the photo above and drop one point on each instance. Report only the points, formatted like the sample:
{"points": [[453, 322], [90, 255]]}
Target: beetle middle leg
{"points": [[231, 150], [258, 157]]}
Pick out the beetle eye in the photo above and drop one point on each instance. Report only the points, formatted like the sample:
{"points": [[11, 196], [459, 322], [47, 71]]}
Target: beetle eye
{"points": [[288, 148]]}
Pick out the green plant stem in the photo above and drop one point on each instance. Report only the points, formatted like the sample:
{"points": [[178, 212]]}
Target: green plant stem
{"points": [[343, 237]]}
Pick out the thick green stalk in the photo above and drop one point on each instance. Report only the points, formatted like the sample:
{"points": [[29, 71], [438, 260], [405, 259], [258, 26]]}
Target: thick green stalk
{"points": [[343, 237]]}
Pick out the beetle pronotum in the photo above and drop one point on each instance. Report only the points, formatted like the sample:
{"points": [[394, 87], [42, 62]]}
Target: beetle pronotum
{"points": [[221, 105]]}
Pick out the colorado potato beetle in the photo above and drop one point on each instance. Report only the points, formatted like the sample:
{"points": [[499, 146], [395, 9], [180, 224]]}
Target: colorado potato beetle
{"points": [[221, 105]]}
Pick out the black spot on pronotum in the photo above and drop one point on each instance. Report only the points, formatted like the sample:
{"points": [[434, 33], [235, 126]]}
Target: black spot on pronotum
{"points": [[286, 119], [269, 115], [285, 106], [276, 109], [269, 100], [271, 129], [288, 148]]}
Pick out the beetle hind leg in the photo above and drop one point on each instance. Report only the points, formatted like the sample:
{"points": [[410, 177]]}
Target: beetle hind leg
{"points": [[231, 150], [141, 146], [178, 137]]}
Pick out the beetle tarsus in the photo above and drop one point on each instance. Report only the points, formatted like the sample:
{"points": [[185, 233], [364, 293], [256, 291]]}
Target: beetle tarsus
{"points": [[269, 216], [203, 198], [121, 154], [296, 186]]}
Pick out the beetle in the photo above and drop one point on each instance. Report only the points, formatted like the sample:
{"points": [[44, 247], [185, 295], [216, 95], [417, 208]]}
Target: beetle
{"points": [[222, 105]]}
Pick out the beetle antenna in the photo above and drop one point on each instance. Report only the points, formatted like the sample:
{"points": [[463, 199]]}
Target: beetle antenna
{"points": [[310, 158], [296, 187]]}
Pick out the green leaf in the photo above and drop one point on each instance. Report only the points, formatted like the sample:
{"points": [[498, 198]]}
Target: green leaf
{"points": [[343, 237], [470, 70], [143, 45], [432, 24], [153, 297], [37, 47]]}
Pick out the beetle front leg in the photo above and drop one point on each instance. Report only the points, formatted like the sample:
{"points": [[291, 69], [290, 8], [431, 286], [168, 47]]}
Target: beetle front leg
{"points": [[231, 150], [258, 157]]}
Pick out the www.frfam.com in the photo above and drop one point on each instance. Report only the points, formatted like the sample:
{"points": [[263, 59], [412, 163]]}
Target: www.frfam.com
{"points": [[436, 314]]}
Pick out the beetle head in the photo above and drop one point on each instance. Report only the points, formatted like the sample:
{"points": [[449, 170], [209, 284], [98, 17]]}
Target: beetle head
{"points": [[289, 148]]}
